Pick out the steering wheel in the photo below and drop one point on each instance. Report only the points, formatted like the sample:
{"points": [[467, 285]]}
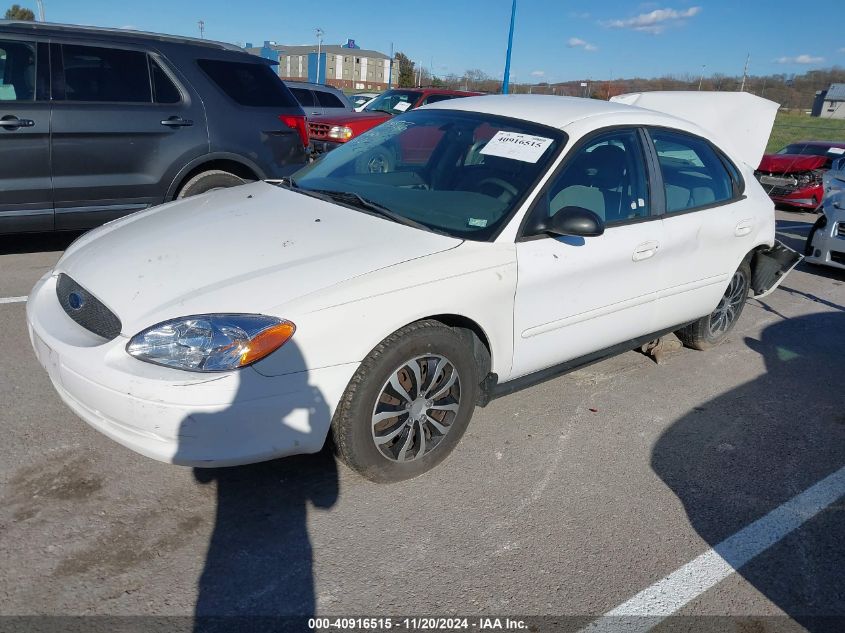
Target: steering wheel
{"points": [[507, 191]]}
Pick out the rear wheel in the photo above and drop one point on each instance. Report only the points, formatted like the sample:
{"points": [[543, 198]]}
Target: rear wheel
{"points": [[207, 181], [712, 329], [408, 404]]}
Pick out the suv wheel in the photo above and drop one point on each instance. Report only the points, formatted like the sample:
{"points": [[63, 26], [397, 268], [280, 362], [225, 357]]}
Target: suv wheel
{"points": [[209, 181], [712, 329], [408, 404]]}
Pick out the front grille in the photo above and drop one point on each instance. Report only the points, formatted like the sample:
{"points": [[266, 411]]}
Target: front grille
{"points": [[88, 311], [839, 258], [779, 192], [840, 229], [318, 130]]}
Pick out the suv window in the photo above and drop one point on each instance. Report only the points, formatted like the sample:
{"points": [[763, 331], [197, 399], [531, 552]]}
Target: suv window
{"points": [[105, 74], [249, 84], [328, 100], [164, 90], [693, 174], [304, 96], [606, 176], [17, 71]]}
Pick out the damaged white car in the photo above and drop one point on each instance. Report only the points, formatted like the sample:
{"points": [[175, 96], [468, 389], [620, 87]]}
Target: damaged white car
{"points": [[826, 242], [514, 238]]}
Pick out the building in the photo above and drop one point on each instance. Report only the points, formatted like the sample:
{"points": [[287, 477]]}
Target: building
{"points": [[342, 66], [830, 103]]}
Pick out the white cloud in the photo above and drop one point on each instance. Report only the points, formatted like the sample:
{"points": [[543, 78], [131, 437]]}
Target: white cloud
{"points": [[654, 22], [538, 73], [842, 50], [580, 16], [800, 59], [577, 42]]}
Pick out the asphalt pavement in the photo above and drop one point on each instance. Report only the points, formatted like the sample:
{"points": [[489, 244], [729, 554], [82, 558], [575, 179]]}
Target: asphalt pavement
{"points": [[569, 498]]}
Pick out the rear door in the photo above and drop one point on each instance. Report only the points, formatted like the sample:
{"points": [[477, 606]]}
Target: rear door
{"points": [[26, 197], [123, 125]]}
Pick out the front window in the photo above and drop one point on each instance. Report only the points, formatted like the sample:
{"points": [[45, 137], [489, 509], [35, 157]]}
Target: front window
{"points": [[458, 173], [394, 101]]}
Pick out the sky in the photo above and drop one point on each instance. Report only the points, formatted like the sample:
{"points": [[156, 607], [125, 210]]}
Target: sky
{"points": [[554, 40]]}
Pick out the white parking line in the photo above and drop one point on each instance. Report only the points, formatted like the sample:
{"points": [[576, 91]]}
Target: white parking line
{"points": [[667, 596], [12, 299]]}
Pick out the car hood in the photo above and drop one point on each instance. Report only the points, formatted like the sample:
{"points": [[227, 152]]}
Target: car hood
{"points": [[790, 163], [247, 249], [347, 117]]}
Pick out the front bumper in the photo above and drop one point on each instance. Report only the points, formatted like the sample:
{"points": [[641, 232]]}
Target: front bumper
{"points": [[180, 417], [828, 242], [805, 198], [317, 146]]}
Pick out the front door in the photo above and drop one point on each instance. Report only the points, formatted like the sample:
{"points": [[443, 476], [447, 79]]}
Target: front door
{"points": [[26, 194], [578, 295], [121, 122]]}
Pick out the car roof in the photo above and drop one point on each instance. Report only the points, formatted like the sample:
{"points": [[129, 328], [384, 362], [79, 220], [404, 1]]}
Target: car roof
{"points": [[312, 86], [99, 33], [549, 110]]}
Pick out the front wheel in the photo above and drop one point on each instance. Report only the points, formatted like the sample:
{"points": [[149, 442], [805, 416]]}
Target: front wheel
{"points": [[712, 329], [408, 404]]}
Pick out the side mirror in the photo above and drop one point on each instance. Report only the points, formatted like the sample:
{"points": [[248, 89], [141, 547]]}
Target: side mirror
{"points": [[572, 221]]}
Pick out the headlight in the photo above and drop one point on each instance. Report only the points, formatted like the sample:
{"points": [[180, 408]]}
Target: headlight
{"points": [[341, 132], [211, 342]]}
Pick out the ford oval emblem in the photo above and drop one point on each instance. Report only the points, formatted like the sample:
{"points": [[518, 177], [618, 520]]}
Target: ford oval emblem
{"points": [[75, 300]]}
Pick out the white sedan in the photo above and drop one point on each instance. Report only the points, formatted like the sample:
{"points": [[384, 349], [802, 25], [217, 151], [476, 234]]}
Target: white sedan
{"points": [[517, 237]]}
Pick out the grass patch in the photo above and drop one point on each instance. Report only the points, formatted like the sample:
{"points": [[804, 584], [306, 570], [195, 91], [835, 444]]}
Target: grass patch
{"points": [[790, 128]]}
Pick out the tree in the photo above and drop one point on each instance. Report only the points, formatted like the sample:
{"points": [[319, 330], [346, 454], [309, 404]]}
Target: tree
{"points": [[406, 71], [17, 12]]}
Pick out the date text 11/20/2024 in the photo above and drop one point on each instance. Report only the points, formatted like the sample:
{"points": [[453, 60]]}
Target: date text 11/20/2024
{"points": [[416, 624]]}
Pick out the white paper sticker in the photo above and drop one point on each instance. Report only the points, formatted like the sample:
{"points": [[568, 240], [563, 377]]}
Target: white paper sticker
{"points": [[477, 222], [402, 106], [836, 150], [524, 147]]}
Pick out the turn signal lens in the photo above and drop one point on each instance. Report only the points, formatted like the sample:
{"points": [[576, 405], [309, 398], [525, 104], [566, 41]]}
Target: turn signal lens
{"points": [[267, 342]]}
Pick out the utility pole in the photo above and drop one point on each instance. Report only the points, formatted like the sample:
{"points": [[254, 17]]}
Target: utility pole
{"points": [[201, 25], [390, 71], [745, 73], [40, 10], [507, 77], [701, 78], [319, 33]]}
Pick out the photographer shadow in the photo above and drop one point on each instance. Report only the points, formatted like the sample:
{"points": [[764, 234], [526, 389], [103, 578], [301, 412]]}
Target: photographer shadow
{"points": [[738, 457], [258, 571]]}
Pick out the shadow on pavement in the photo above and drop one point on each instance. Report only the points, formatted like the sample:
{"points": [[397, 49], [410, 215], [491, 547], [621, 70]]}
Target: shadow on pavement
{"points": [[258, 569], [37, 242], [745, 453]]}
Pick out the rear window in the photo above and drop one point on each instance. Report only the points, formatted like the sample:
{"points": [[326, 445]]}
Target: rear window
{"points": [[248, 84], [328, 100], [305, 97]]}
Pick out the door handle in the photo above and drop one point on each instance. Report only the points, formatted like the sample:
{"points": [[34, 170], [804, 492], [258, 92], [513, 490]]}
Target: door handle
{"points": [[11, 122], [645, 250], [177, 121], [744, 227]]}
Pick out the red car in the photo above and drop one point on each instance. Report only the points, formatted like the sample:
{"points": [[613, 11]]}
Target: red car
{"points": [[328, 131], [793, 176]]}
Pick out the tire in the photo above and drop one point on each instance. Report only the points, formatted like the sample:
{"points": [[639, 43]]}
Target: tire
{"points": [[713, 329], [411, 444], [376, 161], [209, 181]]}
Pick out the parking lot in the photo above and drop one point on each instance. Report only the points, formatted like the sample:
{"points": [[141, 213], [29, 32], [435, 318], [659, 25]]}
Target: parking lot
{"points": [[569, 498]]}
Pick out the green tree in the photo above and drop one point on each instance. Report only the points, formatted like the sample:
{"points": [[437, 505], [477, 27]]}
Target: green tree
{"points": [[17, 12], [406, 71]]}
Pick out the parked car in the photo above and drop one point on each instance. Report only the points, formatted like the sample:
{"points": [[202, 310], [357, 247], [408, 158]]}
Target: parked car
{"points": [[361, 99], [317, 99], [826, 241], [97, 123], [328, 132], [539, 234], [793, 176]]}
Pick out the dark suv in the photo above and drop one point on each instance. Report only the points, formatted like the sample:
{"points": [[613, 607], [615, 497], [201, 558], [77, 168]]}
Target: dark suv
{"points": [[98, 123]]}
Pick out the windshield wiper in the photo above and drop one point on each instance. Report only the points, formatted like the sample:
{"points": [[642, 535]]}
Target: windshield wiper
{"points": [[350, 197]]}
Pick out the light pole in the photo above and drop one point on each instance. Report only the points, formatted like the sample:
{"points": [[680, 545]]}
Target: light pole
{"points": [[40, 5], [701, 77], [506, 80], [319, 33]]}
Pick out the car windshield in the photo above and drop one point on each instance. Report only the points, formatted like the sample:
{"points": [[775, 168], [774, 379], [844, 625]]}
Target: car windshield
{"points": [[811, 150], [393, 101], [459, 173]]}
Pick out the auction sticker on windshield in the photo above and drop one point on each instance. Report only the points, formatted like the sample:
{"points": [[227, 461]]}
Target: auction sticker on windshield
{"points": [[402, 106], [513, 145]]}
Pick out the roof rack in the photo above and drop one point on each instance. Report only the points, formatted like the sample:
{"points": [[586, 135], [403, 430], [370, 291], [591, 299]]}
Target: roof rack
{"points": [[51, 27]]}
